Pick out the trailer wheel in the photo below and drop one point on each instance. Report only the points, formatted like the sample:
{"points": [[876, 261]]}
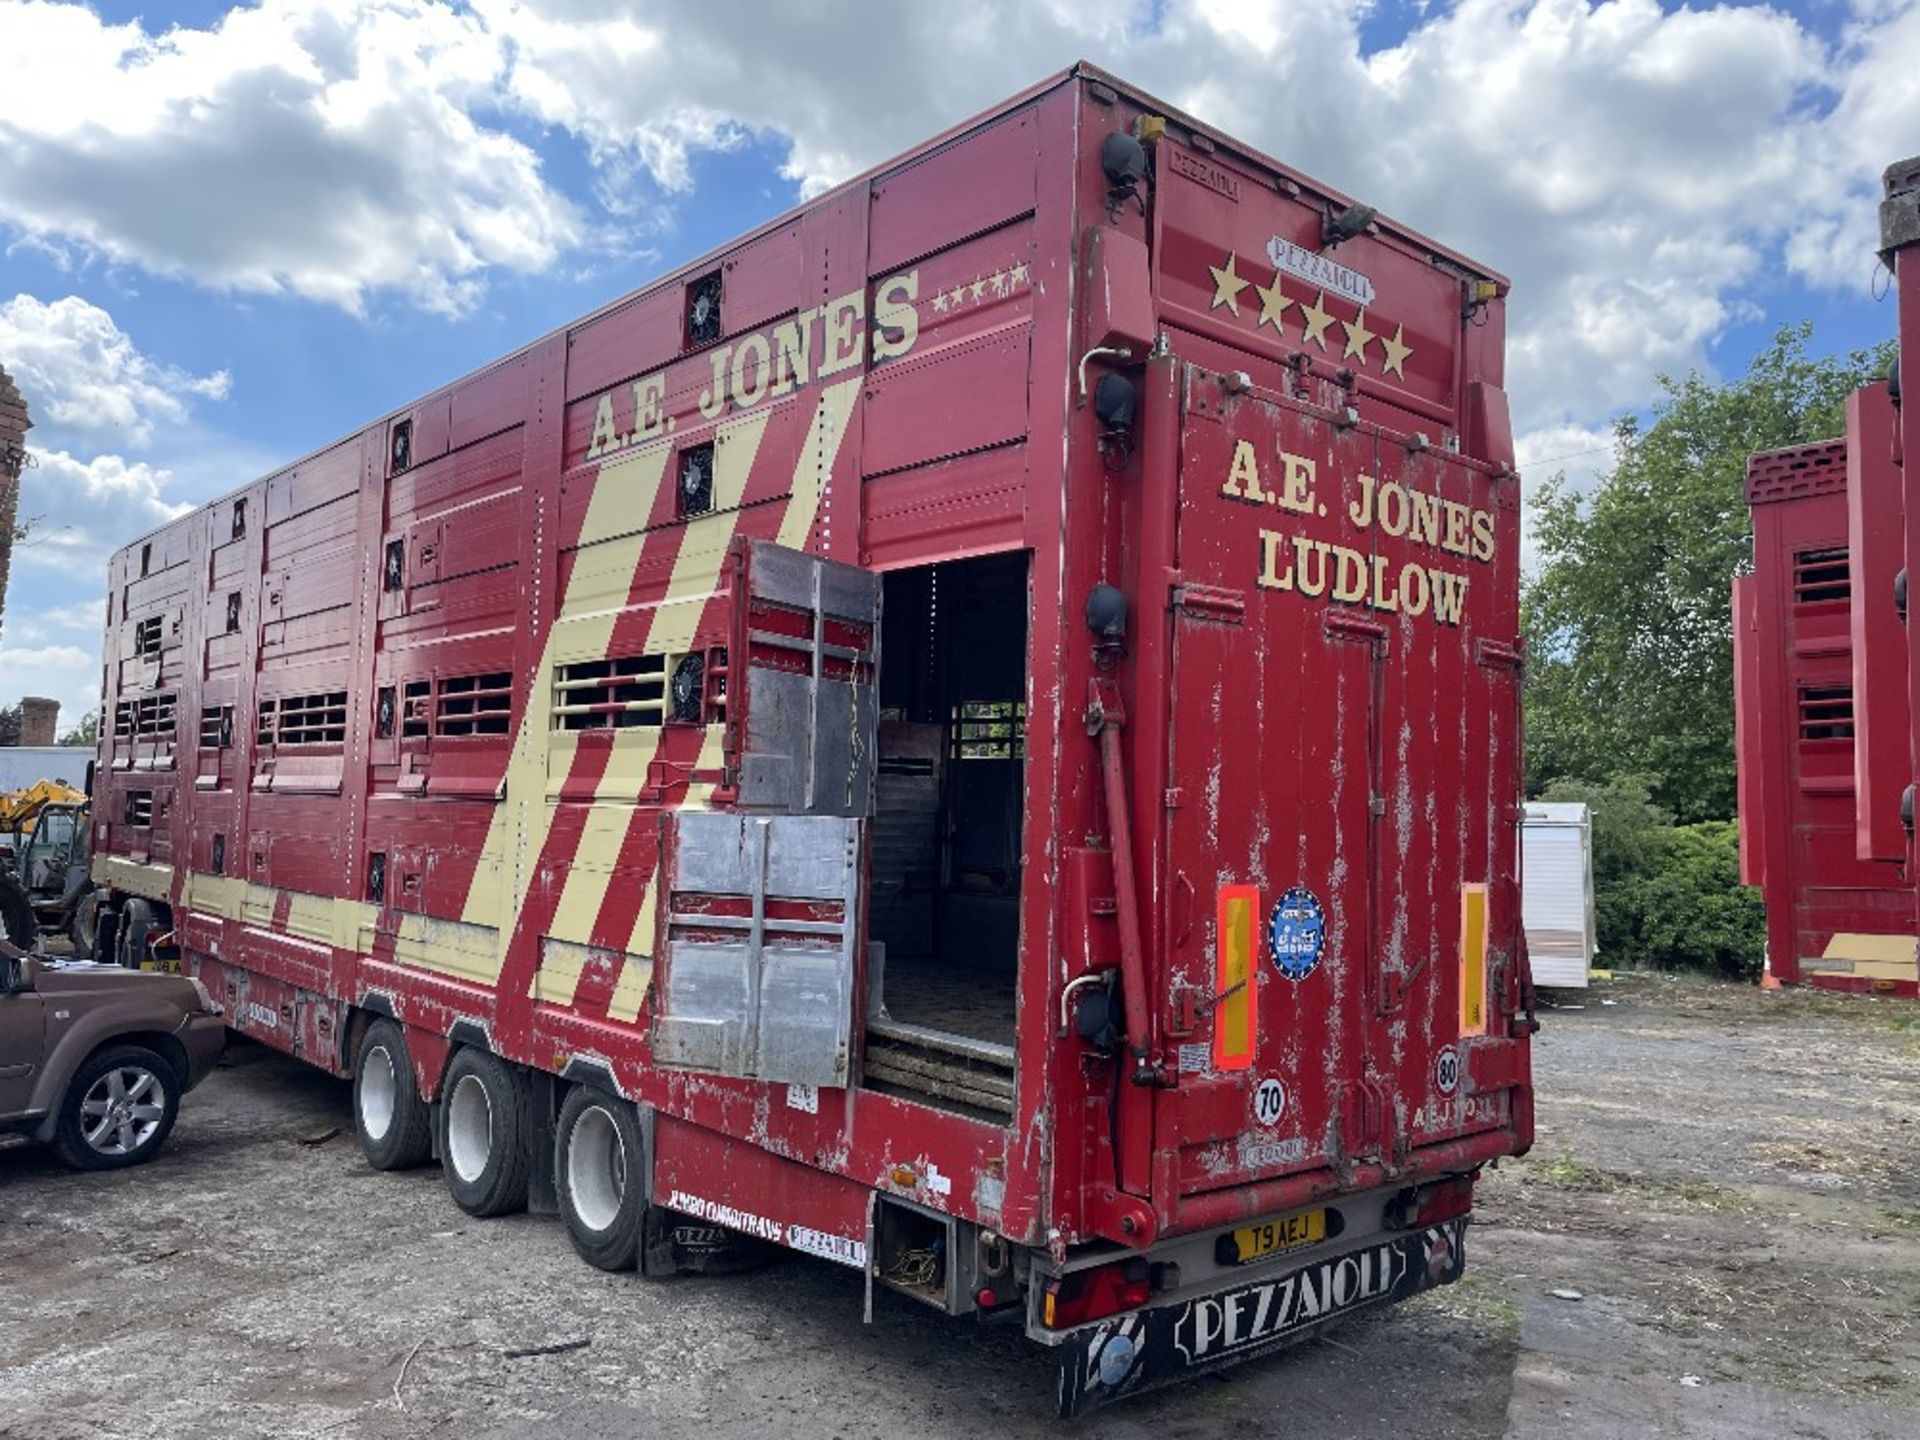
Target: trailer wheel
{"points": [[395, 1130], [601, 1186], [484, 1129], [130, 943], [83, 926]]}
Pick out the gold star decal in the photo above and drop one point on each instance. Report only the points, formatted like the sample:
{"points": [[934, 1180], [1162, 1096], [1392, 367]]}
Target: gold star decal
{"points": [[1227, 286], [999, 282], [958, 294], [939, 300], [1397, 352], [1018, 275], [1317, 320], [1357, 337], [979, 287], [1272, 305]]}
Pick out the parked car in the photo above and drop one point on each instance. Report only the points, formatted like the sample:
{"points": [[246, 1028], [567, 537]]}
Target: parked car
{"points": [[94, 1058]]}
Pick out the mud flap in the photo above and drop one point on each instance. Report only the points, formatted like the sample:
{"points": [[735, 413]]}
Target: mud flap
{"points": [[1134, 1353], [676, 1244]]}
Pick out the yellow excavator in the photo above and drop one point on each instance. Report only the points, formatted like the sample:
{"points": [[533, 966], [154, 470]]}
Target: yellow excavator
{"points": [[20, 810], [44, 884]]}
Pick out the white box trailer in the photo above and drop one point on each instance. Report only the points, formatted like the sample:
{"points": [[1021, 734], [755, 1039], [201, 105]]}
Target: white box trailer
{"points": [[1556, 891]]}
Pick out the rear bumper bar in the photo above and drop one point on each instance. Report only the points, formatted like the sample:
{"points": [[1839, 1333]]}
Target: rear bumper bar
{"points": [[1238, 1204], [1131, 1353]]}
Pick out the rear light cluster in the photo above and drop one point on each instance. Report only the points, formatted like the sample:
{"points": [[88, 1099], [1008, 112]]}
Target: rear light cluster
{"points": [[1432, 1203], [1095, 1294]]}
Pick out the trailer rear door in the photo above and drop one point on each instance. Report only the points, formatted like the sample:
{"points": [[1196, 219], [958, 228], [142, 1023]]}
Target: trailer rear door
{"points": [[1343, 767]]}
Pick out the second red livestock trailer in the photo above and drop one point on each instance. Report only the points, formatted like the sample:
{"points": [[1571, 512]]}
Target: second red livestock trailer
{"points": [[1823, 645], [1819, 807], [973, 733]]}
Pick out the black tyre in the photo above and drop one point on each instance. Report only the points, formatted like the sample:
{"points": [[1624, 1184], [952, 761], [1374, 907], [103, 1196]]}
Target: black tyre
{"points": [[599, 1175], [392, 1121], [118, 1110], [16, 913], [83, 926], [484, 1133], [130, 942]]}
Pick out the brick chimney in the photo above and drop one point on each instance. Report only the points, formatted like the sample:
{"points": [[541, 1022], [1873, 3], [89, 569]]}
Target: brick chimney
{"points": [[39, 720]]}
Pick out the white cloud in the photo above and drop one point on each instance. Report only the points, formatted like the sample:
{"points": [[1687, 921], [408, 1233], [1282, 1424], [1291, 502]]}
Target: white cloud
{"points": [[81, 621], [1580, 454], [83, 376], [79, 511], [1635, 168], [321, 147]]}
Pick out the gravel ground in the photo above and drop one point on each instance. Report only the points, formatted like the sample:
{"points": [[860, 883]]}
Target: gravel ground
{"points": [[1718, 1234]]}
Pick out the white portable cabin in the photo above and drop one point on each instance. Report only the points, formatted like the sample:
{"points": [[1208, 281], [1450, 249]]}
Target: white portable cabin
{"points": [[1556, 891]]}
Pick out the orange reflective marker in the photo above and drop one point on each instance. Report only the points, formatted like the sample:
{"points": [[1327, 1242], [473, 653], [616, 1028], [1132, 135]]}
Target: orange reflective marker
{"points": [[1473, 959], [1233, 979]]}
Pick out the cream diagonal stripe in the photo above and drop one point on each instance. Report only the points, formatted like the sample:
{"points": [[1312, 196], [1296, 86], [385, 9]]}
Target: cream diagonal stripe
{"points": [[703, 550], [815, 467], [811, 472], [622, 489], [637, 973], [696, 571]]}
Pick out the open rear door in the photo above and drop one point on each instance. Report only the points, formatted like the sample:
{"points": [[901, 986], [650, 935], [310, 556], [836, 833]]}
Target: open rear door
{"points": [[764, 904]]}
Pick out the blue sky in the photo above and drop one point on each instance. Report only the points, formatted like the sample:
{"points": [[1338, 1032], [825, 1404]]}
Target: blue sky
{"points": [[228, 242]]}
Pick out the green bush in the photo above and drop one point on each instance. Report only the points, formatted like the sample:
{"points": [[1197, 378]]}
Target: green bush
{"points": [[1666, 896], [1689, 911]]}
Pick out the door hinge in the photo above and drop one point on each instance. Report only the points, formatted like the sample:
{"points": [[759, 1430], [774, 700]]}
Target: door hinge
{"points": [[1211, 602]]}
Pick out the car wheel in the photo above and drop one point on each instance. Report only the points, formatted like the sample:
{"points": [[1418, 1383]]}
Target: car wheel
{"points": [[483, 1133], [118, 1110], [130, 944], [602, 1182], [395, 1130]]}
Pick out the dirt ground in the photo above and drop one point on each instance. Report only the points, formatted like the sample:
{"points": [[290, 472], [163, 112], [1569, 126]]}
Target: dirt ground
{"points": [[1717, 1235]]}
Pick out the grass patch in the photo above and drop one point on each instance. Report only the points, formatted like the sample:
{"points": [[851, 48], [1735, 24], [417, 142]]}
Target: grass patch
{"points": [[1481, 1302], [1576, 1176]]}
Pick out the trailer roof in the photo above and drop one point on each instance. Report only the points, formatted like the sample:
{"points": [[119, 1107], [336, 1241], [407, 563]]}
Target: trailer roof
{"points": [[1795, 471]]}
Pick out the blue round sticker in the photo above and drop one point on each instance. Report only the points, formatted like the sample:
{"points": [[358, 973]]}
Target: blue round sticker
{"points": [[1297, 934]]}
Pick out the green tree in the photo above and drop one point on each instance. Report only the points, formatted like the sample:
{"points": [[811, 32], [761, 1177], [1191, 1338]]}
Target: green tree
{"points": [[86, 733], [1629, 616], [9, 724]]}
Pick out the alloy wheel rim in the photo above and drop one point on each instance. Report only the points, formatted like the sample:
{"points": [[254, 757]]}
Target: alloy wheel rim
{"points": [[122, 1110]]}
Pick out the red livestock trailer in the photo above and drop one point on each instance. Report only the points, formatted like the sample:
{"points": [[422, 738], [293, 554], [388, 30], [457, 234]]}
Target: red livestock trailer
{"points": [[1824, 715], [973, 733], [1840, 907]]}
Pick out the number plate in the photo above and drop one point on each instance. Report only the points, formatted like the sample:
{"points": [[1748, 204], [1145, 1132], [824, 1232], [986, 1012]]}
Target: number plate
{"points": [[1273, 1237]]}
